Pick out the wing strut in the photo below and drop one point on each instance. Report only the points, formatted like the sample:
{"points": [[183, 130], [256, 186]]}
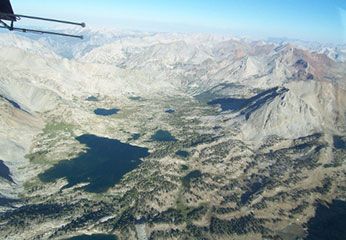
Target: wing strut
{"points": [[14, 17], [24, 30], [18, 17]]}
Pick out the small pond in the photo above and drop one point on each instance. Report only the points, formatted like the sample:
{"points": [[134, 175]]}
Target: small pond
{"points": [[184, 167], [169, 111], [182, 153], [92, 99], [339, 143], [106, 112], [163, 136], [134, 137], [135, 98]]}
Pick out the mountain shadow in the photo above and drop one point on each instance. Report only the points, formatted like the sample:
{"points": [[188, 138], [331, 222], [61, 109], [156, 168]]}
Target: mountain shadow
{"points": [[5, 172], [329, 222], [248, 105]]}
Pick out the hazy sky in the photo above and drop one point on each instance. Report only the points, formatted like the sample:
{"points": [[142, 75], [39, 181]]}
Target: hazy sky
{"points": [[317, 20]]}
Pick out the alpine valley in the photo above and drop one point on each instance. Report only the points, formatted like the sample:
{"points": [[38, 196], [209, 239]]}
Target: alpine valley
{"points": [[131, 135]]}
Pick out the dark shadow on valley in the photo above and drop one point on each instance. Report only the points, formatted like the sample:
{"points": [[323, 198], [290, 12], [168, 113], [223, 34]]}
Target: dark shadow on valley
{"points": [[5, 172], [94, 237], [248, 105], [329, 222]]}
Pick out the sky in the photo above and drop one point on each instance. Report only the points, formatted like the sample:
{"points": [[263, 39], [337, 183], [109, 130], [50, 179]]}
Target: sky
{"points": [[311, 20]]}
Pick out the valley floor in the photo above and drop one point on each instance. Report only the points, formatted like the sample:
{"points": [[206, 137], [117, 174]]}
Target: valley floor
{"points": [[223, 186]]}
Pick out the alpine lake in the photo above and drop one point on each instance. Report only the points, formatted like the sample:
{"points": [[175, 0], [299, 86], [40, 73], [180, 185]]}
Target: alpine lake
{"points": [[101, 166]]}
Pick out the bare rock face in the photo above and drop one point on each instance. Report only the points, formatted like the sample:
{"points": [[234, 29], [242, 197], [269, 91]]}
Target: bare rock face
{"points": [[17, 131], [286, 116], [306, 108]]}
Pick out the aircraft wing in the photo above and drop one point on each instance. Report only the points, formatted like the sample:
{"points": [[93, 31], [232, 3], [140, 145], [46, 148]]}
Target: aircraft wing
{"points": [[5, 9]]}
